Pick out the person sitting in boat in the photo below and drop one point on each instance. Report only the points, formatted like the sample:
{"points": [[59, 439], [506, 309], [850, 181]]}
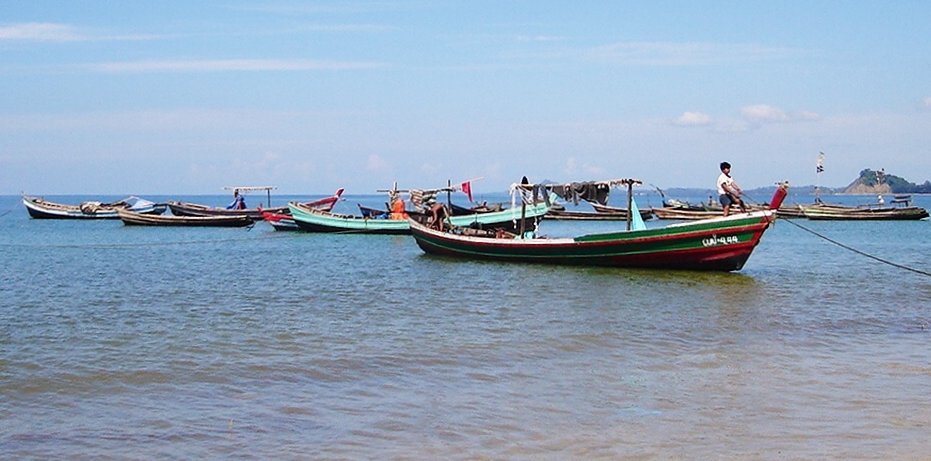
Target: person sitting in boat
{"points": [[238, 202], [728, 190], [397, 209]]}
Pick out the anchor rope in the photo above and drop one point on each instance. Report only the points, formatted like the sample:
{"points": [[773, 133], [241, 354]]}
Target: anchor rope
{"points": [[850, 248], [859, 252]]}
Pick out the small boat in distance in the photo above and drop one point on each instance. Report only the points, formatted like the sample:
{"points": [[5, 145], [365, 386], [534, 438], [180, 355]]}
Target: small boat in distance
{"points": [[40, 208], [130, 218], [900, 209], [719, 244]]}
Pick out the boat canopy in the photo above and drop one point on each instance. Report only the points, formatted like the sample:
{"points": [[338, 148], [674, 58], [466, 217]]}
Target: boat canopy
{"points": [[250, 188]]}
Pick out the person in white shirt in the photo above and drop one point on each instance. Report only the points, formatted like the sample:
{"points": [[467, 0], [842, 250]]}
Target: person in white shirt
{"points": [[728, 190]]}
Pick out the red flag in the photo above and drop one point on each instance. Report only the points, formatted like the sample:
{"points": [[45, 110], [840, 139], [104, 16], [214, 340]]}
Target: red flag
{"points": [[467, 189]]}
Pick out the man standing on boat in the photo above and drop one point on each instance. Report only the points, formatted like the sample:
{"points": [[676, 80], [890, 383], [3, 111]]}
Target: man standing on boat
{"points": [[728, 190]]}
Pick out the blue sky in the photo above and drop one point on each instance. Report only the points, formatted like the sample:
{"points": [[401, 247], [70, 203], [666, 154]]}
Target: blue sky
{"points": [[187, 97]]}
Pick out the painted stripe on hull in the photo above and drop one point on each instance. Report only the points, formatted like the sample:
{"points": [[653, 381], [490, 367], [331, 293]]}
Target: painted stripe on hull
{"points": [[712, 246]]}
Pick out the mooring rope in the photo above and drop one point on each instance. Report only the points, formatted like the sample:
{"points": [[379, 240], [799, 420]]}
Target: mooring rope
{"points": [[850, 248], [859, 252]]}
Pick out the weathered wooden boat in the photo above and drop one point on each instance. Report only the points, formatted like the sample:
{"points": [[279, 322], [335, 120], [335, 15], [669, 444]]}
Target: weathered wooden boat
{"points": [[459, 210], [865, 214], [602, 213], [675, 212], [280, 221], [790, 211], [719, 244], [179, 208], [40, 208], [137, 219], [514, 218], [284, 221]]}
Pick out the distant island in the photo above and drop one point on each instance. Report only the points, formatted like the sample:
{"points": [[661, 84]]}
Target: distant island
{"points": [[880, 182]]}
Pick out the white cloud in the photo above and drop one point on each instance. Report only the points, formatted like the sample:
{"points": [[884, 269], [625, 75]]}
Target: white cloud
{"points": [[540, 38], [221, 65], [763, 113], [39, 32], [588, 171], [571, 166], [927, 101], [806, 115], [52, 32], [376, 163], [692, 119], [684, 53]]}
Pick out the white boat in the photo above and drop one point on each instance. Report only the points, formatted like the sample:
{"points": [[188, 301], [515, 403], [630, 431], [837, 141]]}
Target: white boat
{"points": [[40, 208]]}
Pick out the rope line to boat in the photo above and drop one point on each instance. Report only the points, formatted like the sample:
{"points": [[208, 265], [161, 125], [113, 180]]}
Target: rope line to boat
{"points": [[859, 252], [850, 248]]}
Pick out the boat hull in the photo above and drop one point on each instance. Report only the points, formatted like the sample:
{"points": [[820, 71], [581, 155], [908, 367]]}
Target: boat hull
{"points": [[280, 222], [601, 213], [684, 214], [195, 210], [39, 208], [136, 219], [256, 214], [865, 214], [720, 244]]}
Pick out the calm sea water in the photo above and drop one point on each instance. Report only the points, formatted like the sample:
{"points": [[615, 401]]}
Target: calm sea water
{"points": [[142, 343]]}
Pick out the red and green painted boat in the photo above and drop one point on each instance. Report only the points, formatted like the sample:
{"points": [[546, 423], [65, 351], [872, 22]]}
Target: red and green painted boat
{"points": [[715, 244]]}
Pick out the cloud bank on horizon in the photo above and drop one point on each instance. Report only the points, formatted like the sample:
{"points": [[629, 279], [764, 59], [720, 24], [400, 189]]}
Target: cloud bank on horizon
{"points": [[186, 98]]}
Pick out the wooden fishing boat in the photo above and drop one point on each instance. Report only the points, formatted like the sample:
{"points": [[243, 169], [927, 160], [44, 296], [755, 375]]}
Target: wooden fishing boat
{"points": [[459, 210], [719, 244], [675, 212], [137, 219], [284, 221], [194, 209], [40, 208], [865, 214], [280, 221], [311, 220], [790, 211], [602, 213]]}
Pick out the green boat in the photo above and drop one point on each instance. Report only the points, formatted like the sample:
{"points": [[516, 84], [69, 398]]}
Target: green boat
{"points": [[510, 219], [719, 244]]}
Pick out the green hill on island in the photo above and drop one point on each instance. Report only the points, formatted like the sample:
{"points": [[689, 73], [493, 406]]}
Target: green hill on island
{"points": [[880, 182]]}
